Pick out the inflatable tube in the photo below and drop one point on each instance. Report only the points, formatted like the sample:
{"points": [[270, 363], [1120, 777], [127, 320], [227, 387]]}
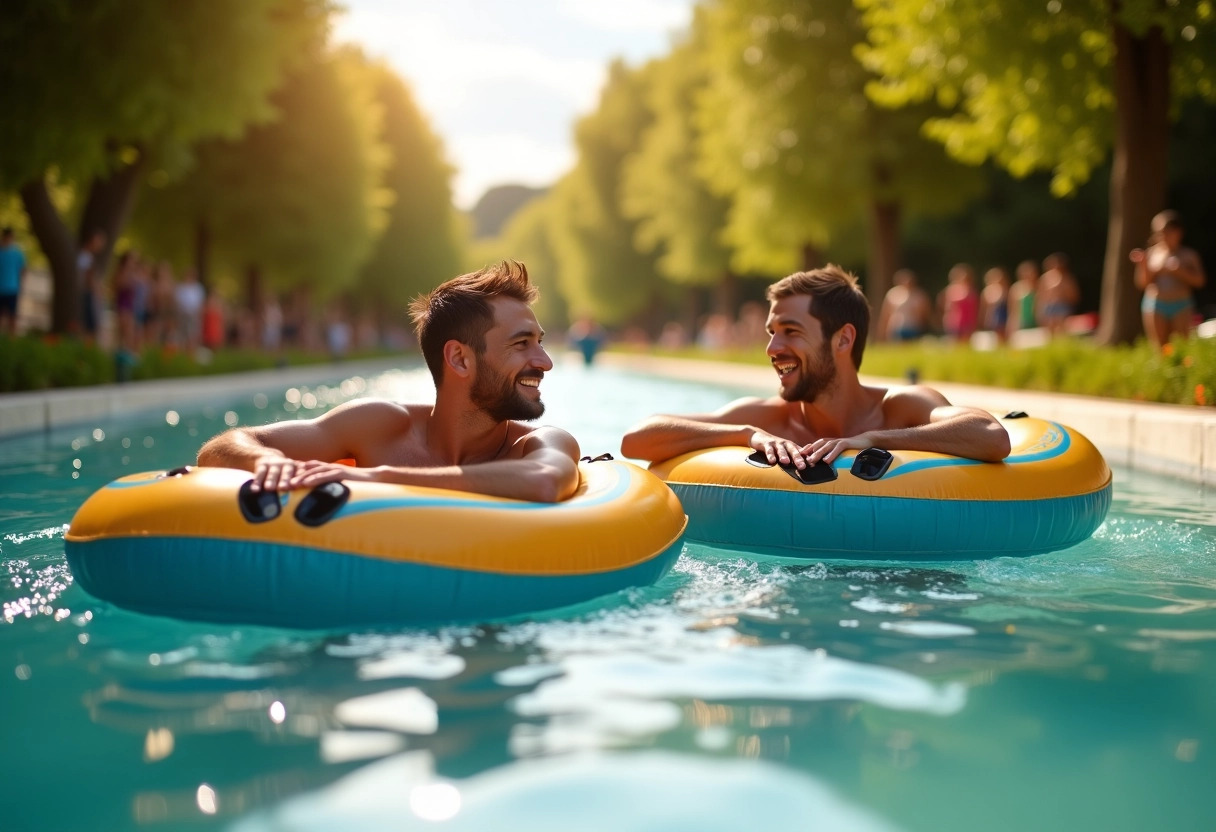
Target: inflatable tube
{"points": [[1053, 491], [197, 544]]}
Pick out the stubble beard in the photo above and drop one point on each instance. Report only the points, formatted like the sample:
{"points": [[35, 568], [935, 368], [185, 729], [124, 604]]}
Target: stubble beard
{"points": [[814, 380], [496, 394]]}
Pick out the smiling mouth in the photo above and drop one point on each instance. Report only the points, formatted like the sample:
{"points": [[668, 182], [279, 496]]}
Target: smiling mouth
{"points": [[530, 381], [784, 368]]}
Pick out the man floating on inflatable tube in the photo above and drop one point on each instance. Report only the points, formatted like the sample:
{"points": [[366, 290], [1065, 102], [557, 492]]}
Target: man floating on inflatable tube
{"points": [[817, 324], [482, 344]]}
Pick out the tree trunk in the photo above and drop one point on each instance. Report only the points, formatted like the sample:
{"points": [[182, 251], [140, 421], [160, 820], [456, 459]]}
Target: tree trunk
{"points": [[55, 240], [811, 258], [202, 253], [108, 207], [884, 251], [726, 295], [1138, 173]]}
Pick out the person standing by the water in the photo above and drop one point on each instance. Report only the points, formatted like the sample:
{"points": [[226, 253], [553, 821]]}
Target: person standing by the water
{"points": [[959, 304], [12, 270], [994, 303], [1058, 294], [1168, 273], [1022, 296], [906, 309]]}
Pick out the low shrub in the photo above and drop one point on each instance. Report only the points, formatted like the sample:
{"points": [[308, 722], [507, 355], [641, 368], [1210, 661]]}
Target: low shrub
{"points": [[1183, 373]]}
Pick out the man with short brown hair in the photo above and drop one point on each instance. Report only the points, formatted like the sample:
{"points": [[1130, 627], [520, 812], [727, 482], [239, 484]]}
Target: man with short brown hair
{"points": [[818, 322], [482, 344]]}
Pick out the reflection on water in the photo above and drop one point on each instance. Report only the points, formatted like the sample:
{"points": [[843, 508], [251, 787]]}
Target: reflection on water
{"points": [[1066, 691]]}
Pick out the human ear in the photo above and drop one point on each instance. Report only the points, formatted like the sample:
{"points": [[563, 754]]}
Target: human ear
{"points": [[844, 337], [458, 358]]}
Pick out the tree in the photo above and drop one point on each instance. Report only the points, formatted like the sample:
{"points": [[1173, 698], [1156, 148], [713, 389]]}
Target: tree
{"points": [[421, 245], [1053, 86], [528, 238], [803, 155], [601, 272], [294, 203], [95, 94], [678, 217]]}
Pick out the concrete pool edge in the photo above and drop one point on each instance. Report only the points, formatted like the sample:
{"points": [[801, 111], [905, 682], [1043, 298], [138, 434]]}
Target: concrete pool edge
{"points": [[1174, 440], [40, 411]]}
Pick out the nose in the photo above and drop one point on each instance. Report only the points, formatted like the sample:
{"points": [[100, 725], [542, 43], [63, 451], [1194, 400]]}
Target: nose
{"points": [[541, 359], [774, 346]]}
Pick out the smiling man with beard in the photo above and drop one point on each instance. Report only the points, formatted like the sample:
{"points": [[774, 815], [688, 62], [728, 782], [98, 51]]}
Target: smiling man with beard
{"points": [[482, 344], [817, 324]]}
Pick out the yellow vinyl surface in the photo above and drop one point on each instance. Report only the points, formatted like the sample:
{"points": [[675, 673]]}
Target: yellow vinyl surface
{"points": [[621, 515], [1047, 460]]}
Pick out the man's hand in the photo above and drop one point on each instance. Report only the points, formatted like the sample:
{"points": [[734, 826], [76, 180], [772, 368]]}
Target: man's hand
{"points": [[777, 449], [274, 473], [826, 450]]}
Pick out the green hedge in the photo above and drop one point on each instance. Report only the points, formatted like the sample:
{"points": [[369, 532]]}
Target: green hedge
{"points": [[1184, 373], [46, 362]]}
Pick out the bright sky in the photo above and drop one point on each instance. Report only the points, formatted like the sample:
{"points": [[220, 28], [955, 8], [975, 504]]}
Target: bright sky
{"points": [[503, 81]]}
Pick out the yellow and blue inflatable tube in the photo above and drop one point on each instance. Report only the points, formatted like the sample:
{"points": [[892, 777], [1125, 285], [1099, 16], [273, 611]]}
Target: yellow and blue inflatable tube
{"points": [[1052, 492], [182, 544]]}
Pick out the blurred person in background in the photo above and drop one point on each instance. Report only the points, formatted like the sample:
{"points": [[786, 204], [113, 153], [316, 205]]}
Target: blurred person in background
{"points": [[88, 271], [188, 298], [1168, 273], [906, 309], [994, 303], [1022, 296], [1058, 294], [959, 304], [586, 336], [161, 310], [12, 272]]}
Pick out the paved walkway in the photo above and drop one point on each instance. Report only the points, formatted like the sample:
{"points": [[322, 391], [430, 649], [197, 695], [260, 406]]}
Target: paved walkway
{"points": [[1169, 439]]}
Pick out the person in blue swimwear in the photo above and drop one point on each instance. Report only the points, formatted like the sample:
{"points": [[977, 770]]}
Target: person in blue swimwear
{"points": [[906, 309], [1058, 294], [994, 303], [1168, 273]]}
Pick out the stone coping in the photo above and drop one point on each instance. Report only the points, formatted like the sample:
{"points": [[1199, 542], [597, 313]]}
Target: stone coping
{"points": [[45, 410], [1173, 440]]}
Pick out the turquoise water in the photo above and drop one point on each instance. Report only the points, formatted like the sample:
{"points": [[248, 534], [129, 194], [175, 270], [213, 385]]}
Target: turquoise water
{"points": [[1075, 690]]}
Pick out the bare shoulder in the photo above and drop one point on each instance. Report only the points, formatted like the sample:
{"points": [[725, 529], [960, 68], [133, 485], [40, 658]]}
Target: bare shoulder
{"points": [[374, 413], [910, 404], [752, 410], [533, 438]]}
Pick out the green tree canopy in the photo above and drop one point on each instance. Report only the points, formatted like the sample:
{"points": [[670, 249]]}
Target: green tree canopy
{"points": [[92, 91], [1054, 86], [677, 216], [803, 155], [528, 238], [601, 272], [299, 199], [421, 245]]}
